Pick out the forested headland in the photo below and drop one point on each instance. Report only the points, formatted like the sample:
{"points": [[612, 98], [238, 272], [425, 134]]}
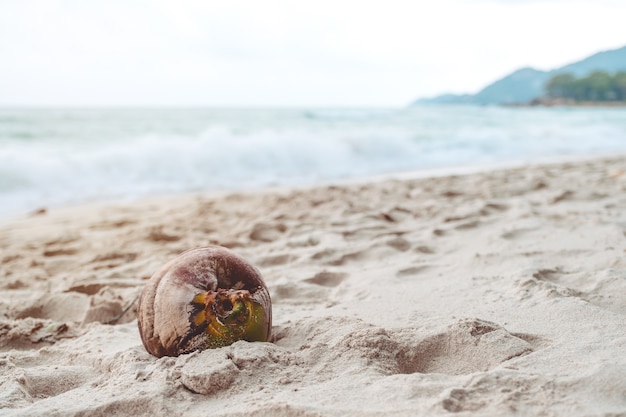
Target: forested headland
{"points": [[598, 86]]}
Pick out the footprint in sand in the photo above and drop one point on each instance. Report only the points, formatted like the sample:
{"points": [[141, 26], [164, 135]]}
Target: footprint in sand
{"points": [[275, 260], [60, 252], [158, 235], [472, 224], [327, 279], [363, 232], [517, 233], [297, 293], [425, 249], [265, 232], [323, 254], [45, 382], [378, 251], [467, 346], [492, 206], [308, 290], [63, 240], [412, 270], [348, 258], [112, 260], [604, 289], [399, 244], [58, 307], [117, 256], [395, 215], [112, 224], [10, 258]]}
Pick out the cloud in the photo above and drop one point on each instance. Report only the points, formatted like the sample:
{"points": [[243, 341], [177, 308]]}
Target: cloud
{"points": [[280, 52]]}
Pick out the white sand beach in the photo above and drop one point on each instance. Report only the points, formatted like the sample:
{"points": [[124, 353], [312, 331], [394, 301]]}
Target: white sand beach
{"points": [[494, 293]]}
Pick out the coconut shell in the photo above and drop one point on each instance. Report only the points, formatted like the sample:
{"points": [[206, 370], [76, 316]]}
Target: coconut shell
{"points": [[203, 298]]}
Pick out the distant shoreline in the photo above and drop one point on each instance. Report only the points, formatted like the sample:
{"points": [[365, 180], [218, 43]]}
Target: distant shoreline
{"points": [[544, 102]]}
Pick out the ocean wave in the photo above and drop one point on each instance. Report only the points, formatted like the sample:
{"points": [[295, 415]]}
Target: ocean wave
{"points": [[85, 156]]}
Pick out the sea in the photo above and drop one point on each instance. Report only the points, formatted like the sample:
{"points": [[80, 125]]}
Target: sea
{"points": [[61, 156]]}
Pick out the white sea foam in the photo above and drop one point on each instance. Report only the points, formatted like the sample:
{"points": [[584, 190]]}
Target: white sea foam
{"points": [[52, 157]]}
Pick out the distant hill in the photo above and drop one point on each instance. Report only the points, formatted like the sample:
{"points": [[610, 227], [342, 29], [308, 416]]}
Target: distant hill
{"points": [[526, 84]]}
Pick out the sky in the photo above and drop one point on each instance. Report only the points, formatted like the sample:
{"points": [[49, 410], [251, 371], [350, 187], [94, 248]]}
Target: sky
{"points": [[278, 53]]}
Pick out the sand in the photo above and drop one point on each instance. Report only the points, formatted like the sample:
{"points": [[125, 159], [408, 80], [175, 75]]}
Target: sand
{"points": [[494, 293]]}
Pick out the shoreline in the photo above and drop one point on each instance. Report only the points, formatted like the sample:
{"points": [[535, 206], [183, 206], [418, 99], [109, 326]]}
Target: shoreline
{"points": [[467, 169], [499, 292], [567, 103]]}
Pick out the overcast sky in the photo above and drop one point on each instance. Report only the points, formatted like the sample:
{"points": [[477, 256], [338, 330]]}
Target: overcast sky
{"points": [[285, 53]]}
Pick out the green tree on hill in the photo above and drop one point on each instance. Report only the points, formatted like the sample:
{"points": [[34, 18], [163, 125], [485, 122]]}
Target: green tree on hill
{"points": [[561, 85], [619, 85], [597, 86]]}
